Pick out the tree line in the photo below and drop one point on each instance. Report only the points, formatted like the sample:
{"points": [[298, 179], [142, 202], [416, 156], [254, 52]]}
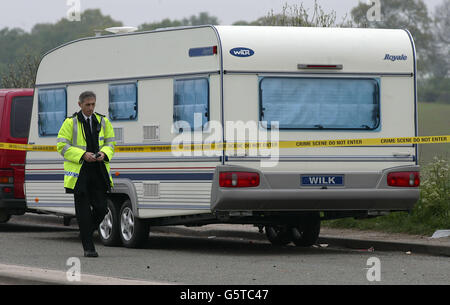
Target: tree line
{"points": [[21, 51]]}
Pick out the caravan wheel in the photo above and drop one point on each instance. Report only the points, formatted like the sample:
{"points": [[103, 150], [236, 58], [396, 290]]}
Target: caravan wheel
{"points": [[133, 231], [109, 227], [278, 235], [307, 233]]}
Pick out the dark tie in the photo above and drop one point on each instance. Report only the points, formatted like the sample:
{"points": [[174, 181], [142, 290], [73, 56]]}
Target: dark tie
{"points": [[89, 137], [89, 124]]}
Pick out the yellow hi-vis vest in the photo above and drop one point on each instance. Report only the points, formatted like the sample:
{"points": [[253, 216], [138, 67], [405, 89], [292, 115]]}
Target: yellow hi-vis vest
{"points": [[71, 144]]}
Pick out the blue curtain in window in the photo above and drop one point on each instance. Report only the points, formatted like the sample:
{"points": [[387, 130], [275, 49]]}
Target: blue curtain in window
{"points": [[123, 101], [191, 97], [52, 110], [310, 103]]}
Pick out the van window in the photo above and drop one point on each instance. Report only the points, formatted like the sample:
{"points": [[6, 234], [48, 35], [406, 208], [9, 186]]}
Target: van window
{"points": [[20, 116], [123, 101], [320, 103], [191, 99], [52, 110]]}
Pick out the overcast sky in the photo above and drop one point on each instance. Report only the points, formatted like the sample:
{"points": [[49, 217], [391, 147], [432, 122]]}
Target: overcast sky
{"points": [[26, 13]]}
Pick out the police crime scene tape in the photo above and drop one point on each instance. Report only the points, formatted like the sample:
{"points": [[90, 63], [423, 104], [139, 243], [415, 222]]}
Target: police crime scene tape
{"points": [[249, 145]]}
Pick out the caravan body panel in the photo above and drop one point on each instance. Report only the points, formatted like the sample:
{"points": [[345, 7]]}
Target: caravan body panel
{"points": [[250, 76]]}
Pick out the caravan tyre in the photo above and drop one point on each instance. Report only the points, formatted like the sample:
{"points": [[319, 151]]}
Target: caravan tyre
{"points": [[278, 235], [133, 231], [307, 232], [109, 227], [4, 216]]}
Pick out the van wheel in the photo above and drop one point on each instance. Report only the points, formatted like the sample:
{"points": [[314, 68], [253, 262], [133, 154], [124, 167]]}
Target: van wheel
{"points": [[109, 227], [4, 216], [307, 232], [133, 231], [278, 235]]}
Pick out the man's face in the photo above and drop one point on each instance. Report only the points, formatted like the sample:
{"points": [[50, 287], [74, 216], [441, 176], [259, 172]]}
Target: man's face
{"points": [[87, 106]]}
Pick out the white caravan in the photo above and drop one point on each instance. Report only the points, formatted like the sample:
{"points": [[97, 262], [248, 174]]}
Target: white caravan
{"points": [[304, 83]]}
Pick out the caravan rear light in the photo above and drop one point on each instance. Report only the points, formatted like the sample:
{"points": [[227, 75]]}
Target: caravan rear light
{"points": [[238, 179], [404, 179]]}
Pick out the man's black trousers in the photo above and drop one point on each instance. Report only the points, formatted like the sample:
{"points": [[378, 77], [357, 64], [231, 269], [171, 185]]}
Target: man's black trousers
{"points": [[90, 208]]}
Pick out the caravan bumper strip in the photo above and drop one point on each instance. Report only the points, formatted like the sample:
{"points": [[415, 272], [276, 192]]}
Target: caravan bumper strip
{"points": [[283, 192]]}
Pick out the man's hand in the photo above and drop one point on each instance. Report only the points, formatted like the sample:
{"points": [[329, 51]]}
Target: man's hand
{"points": [[89, 157], [101, 157]]}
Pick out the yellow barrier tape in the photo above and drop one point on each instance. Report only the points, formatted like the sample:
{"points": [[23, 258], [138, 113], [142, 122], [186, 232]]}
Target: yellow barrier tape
{"points": [[27, 147], [256, 145], [366, 142]]}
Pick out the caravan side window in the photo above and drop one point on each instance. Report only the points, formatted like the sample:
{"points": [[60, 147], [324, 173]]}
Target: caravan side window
{"points": [[191, 100], [52, 110], [320, 103], [123, 101]]}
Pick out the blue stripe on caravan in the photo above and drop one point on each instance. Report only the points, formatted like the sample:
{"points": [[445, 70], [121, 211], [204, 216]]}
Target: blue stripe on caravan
{"points": [[44, 177], [143, 176]]}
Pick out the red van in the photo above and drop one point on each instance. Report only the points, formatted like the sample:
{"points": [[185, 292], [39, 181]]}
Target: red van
{"points": [[15, 116]]}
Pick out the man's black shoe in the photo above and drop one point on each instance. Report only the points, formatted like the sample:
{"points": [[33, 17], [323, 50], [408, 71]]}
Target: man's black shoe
{"points": [[90, 253]]}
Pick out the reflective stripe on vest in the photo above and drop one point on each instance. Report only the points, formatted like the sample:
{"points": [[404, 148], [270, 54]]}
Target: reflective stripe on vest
{"points": [[75, 131], [68, 144], [102, 122], [72, 174]]}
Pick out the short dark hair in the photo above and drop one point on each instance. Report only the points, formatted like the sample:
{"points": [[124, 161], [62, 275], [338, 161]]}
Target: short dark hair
{"points": [[85, 95]]}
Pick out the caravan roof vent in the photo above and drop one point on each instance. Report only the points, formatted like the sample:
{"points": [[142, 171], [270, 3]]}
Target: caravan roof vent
{"points": [[121, 29]]}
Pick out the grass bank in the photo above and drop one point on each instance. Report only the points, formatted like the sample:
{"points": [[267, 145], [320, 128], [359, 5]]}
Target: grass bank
{"points": [[431, 213]]}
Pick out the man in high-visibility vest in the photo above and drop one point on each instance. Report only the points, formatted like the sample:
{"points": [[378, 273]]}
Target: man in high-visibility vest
{"points": [[86, 141]]}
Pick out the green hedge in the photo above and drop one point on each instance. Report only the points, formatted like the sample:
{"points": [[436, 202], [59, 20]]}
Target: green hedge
{"points": [[431, 213]]}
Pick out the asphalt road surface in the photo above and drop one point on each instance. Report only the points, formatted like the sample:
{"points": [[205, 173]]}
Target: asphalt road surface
{"points": [[43, 242]]}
